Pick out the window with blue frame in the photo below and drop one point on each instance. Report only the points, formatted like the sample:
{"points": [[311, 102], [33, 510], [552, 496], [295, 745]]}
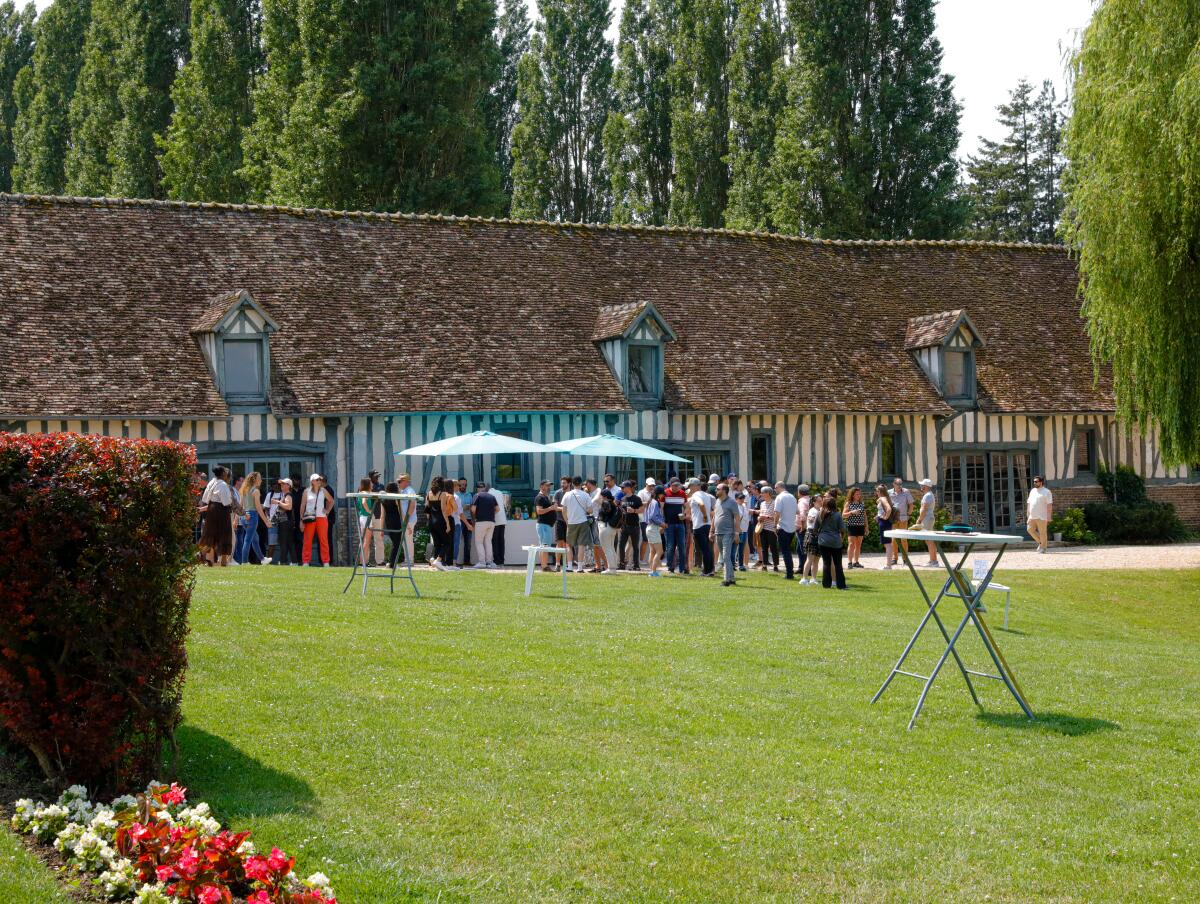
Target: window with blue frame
{"points": [[243, 377], [512, 469], [644, 369]]}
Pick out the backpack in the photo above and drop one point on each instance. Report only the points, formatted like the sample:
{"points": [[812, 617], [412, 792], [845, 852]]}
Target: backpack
{"points": [[614, 517]]}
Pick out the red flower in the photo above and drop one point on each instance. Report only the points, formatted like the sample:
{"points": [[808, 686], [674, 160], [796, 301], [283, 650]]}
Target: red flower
{"points": [[139, 832], [257, 870], [210, 894], [174, 795], [259, 897], [164, 873], [188, 864], [280, 862]]}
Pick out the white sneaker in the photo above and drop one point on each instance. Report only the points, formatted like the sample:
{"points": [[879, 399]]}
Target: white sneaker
{"points": [[479, 565], [887, 567], [326, 565], [804, 582], [931, 564], [440, 566], [608, 571]]}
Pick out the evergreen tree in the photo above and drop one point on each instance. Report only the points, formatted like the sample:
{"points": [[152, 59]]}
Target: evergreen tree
{"points": [[866, 147], [1015, 194], [202, 150], [757, 97], [271, 97], [1003, 182], [16, 50], [122, 97], [41, 134], [512, 41], [700, 122], [564, 96], [637, 136], [389, 111]]}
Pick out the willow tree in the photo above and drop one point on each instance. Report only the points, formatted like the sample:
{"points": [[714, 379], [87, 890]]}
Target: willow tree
{"points": [[1134, 209]]}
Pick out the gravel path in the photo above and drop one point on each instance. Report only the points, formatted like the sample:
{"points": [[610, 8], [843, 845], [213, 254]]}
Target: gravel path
{"points": [[1177, 555]]}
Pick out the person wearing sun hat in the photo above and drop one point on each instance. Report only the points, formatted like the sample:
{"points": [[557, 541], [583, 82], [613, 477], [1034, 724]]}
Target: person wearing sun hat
{"points": [[926, 517]]}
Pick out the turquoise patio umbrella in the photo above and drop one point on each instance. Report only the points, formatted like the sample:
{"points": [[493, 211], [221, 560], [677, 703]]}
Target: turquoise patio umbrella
{"points": [[610, 446], [481, 442]]}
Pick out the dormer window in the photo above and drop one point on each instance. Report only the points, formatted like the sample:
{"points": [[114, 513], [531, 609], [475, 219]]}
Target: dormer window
{"points": [[632, 337], [234, 334], [944, 346]]}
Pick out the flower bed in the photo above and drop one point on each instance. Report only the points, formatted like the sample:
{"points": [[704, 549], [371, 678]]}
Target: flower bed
{"points": [[155, 849]]}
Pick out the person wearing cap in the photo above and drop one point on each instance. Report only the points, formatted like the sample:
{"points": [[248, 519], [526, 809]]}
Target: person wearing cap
{"points": [[283, 522], [700, 507], [647, 493], [902, 503], [546, 514], [577, 508], [711, 489], [675, 529], [925, 518], [315, 506]]}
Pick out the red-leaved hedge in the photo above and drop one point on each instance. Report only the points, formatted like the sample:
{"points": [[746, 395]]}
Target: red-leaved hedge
{"points": [[96, 554]]}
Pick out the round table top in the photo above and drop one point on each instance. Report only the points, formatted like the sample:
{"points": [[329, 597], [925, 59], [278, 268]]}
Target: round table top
{"points": [[941, 536]]}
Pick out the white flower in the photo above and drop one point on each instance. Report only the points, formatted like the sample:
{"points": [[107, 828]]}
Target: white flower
{"points": [[75, 799], [123, 803], [22, 814], [247, 848], [152, 894], [319, 882], [64, 841], [92, 852], [118, 881], [48, 821], [75, 792], [104, 824], [198, 818]]}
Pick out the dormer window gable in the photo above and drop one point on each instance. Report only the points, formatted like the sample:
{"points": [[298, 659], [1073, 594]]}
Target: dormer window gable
{"points": [[944, 346], [632, 338], [234, 335]]}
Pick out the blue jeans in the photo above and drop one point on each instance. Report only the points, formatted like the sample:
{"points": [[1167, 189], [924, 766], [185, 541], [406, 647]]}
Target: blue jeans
{"points": [[675, 548], [249, 540], [739, 551], [704, 548]]}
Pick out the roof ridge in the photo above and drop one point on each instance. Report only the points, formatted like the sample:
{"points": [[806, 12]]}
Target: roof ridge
{"points": [[966, 244]]}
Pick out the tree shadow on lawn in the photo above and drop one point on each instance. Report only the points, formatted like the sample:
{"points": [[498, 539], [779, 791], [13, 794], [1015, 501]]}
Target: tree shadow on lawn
{"points": [[1049, 723], [241, 785]]}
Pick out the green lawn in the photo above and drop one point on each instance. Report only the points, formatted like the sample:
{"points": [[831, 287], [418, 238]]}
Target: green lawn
{"points": [[670, 740]]}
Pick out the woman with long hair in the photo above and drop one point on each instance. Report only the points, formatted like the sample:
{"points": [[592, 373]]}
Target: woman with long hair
{"points": [[883, 520], [855, 514], [315, 505], [252, 504], [364, 508], [440, 508], [217, 537], [829, 537], [812, 551]]}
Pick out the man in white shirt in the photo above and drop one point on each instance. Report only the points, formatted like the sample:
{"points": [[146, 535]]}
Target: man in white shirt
{"points": [[786, 510], [701, 504], [926, 518], [577, 508], [1039, 511], [501, 522]]}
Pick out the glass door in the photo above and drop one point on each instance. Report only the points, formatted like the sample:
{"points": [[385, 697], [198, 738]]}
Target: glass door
{"points": [[1011, 480], [964, 489]]}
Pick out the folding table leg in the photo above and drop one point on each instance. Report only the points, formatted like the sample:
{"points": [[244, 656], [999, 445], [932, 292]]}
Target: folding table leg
{"points": [[529, 572]]}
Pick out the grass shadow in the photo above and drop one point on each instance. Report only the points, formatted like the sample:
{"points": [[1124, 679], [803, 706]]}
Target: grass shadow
{"points": [[1051, 723], [242, 785]]}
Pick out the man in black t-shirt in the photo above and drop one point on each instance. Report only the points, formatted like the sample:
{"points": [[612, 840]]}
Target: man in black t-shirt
{"points": [[631, 530], [560, 520], [547, 515]]}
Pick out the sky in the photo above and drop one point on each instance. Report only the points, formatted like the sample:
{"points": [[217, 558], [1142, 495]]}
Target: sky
{"points": [[989, 45]]}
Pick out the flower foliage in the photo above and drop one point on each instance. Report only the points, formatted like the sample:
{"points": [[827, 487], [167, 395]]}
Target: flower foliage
{"points": [[95, 555], [154, 849]]}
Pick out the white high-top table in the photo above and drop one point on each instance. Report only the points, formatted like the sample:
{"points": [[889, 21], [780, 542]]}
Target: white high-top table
{"points": [[958, 586], [362, 556]]}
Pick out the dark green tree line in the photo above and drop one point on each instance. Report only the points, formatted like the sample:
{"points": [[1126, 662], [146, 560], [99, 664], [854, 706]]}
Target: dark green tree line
{"points": [[16, 50]]}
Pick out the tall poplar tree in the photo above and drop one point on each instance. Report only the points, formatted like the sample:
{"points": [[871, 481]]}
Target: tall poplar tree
{"points": [[757, 96], [564, 96], [271, 97], [42, 133], [700, 121], [1015, 193], [389, 112], [16, 50], [202, 150], [1133, 210], [637, 136], [512, 41], [122, 97], [866, 147]]}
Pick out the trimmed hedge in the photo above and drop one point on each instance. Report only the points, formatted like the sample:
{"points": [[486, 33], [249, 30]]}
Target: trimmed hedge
{"points": [[1147, 522], [96, 555]]}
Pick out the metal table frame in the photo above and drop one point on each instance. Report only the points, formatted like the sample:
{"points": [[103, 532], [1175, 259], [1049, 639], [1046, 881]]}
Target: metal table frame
{"points": [[958, 586], [361, 556]]}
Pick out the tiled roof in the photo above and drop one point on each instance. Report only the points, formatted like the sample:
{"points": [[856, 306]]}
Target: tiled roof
{"points": [[930, 329], [215, 312], [392, 312], [613, 319]]}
